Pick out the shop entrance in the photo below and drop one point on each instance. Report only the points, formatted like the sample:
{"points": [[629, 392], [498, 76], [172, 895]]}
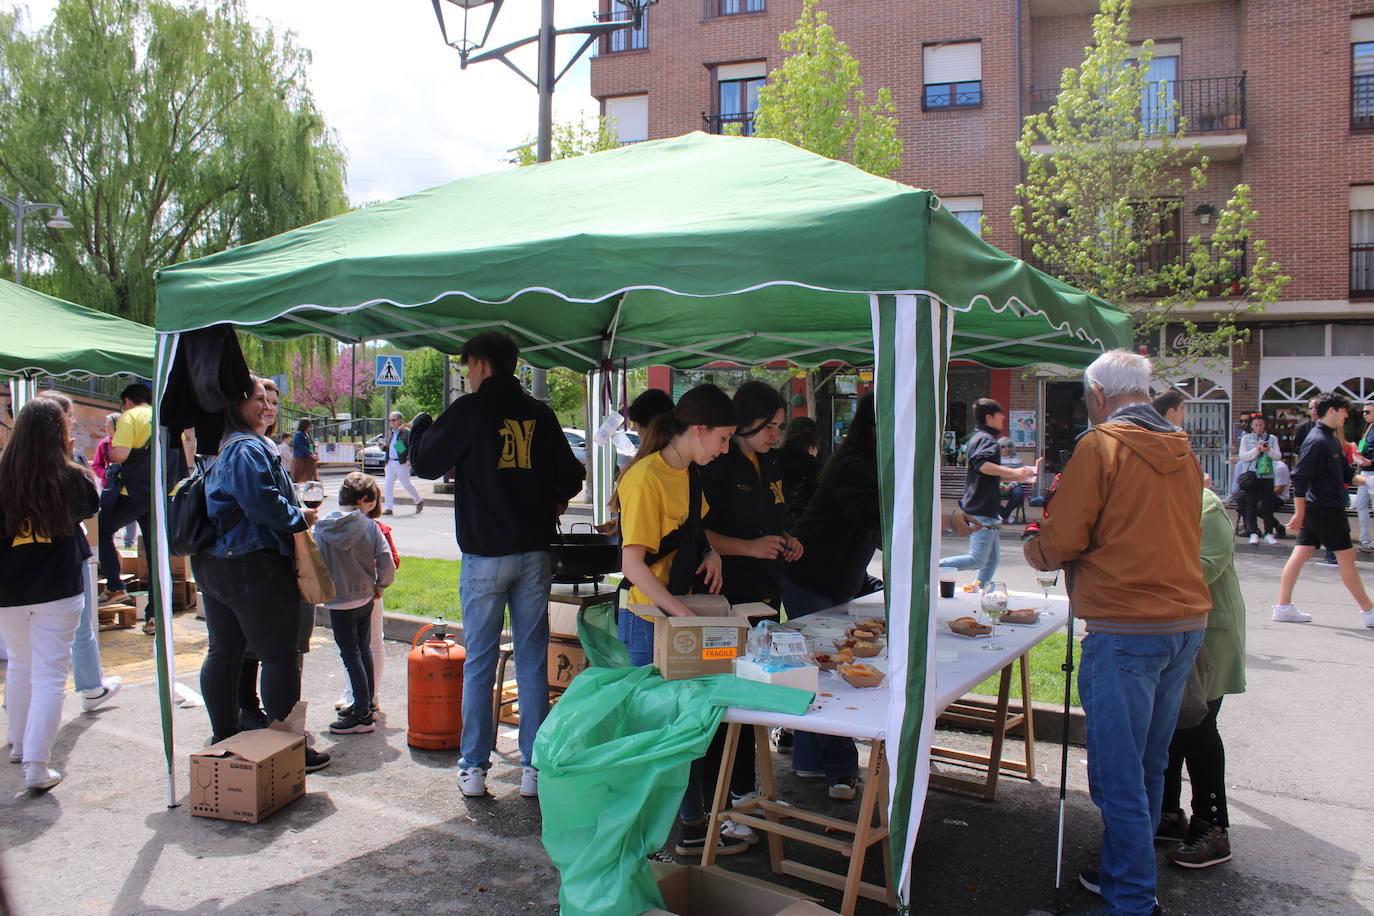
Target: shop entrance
{"points": [[1065, 417], [1207, 421]]}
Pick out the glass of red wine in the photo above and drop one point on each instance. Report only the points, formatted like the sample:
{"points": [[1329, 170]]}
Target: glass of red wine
{"points": [[311, 493]]}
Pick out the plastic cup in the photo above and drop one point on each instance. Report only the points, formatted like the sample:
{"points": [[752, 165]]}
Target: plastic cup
{"points": [[947, 575]]}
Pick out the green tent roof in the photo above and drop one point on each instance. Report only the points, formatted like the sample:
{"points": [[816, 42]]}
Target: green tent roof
{"points": [[681, 251], [49, 336]]}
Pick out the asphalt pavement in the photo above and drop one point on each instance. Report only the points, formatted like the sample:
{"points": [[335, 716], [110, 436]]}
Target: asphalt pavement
{"points": [[384, 829]]}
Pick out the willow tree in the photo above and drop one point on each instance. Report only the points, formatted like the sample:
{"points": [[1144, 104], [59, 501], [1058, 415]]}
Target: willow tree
{"points": [[816, 100], [1106, 171], [166, 131]]}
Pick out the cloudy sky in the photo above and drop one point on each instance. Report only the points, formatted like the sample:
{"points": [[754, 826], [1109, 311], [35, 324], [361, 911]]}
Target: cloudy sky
{"points": [[407, 116]]}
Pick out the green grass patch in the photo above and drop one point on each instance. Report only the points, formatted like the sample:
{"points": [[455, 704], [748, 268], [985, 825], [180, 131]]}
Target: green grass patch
{"points": [[426, 588], [1046, 674]]}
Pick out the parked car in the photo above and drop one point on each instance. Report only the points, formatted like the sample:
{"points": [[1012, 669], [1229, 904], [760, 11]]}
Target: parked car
{"points": [[374, 455], [578, 440]]}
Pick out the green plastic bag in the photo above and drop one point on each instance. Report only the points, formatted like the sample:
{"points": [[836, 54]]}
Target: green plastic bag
{"points": [[614, 757], [600, 638]]}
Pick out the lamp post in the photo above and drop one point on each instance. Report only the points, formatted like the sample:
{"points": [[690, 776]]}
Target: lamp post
{"points": [[546, 76], [21, 208]]}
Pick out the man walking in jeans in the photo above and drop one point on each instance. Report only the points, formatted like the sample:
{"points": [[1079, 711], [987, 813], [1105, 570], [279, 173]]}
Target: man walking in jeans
{"points": [[982, 499], [514, 474], [1126, 528]]}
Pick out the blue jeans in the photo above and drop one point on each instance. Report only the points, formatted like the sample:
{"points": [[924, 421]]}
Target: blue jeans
{"points": [[638, 636], [86, 671], [353, 635], [1131, 687], [984, 550], [837, 757], [486, 586]]}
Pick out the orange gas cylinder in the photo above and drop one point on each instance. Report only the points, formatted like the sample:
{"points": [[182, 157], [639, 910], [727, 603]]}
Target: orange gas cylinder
{"points": [[436, 690]]}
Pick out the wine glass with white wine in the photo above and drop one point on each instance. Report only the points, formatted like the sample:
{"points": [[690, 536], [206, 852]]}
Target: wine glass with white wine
{"points": [[1047, 581], [994, 602]]}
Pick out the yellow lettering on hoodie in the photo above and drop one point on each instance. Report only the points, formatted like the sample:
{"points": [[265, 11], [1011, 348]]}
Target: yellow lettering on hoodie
{"points": [[516, 439], [776, 487], [25, 535]]}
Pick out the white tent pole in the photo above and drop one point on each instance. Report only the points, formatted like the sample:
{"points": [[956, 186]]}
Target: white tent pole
{"points": [[160, 562]]}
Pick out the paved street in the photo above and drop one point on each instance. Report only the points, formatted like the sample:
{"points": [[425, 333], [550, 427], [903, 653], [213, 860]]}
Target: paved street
{"points": [[383, 829]]}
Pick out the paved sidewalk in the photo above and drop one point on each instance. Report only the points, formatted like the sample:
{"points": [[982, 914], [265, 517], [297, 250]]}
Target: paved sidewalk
{"points": [[384, 829]]}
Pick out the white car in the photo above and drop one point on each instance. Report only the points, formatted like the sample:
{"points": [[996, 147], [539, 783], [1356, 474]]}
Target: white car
{"points": [[578, 440]]}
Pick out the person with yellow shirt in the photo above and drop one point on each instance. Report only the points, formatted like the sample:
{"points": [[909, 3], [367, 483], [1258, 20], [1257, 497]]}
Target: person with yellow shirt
{"points": [[665, 552], [127, 496]]}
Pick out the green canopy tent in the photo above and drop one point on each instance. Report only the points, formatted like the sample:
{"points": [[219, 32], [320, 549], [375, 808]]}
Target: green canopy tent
{"points": [[683, 252], [51, 336]]}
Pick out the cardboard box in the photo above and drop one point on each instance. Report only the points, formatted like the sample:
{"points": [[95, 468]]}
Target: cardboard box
{"points": [[563, 619], [687, 647], [806, 677], [566, 661], [690, 890], [249, 776], [134, 566]]}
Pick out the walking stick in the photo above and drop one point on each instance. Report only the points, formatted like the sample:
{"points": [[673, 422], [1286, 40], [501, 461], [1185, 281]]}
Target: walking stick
{"points": [[1067, 667]]}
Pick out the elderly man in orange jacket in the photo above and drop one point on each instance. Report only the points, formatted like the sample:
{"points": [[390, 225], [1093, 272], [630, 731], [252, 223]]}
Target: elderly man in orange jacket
{"points": [[1126, 528]]}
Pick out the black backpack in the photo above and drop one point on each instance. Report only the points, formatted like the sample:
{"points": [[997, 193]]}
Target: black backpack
{"points": [[189, 527]]}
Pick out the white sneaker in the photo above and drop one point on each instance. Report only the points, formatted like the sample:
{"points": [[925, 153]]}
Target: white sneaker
{"points": [[729, 828], [39, 778], [16, 753], [1287, 613], [529, 782], [93, 699], [472, 781], [1366, 616], [1254, 539], [1270, 539]]}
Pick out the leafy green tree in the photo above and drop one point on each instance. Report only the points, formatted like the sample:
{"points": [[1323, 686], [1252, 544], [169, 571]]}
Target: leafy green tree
{"points": [[1106, 171], [166, 131], [815, 100], [572, 138], [424, 385]]}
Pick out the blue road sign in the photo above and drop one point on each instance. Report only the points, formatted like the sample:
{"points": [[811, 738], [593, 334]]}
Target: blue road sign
{"points": [[390, 372]]}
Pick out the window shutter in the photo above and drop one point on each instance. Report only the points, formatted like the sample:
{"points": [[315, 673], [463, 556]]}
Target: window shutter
{"points": [[1362, 29], [754, 69], [631, 116], [1362, 197], [955, 63]]}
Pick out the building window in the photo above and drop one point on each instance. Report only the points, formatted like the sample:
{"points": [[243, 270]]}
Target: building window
{"points": [[630, 39], [953, 75], [1299, 340], [968, 210], [629, 114], [1362, 73], [1362, 241], [737, 97], [1159, 102], [733, 7]]}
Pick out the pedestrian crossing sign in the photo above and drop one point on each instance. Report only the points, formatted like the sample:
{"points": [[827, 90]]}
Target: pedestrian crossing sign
{"points": [[390, 372]]}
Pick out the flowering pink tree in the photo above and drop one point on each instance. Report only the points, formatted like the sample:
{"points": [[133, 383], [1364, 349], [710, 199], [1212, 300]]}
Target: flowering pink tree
{"points": [[331, 388]]}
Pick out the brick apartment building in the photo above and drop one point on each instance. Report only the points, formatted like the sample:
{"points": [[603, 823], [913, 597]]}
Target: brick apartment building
{"points": [[1279, 94]]}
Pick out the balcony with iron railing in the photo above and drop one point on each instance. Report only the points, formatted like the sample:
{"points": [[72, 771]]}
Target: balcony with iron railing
{"points": [[1362, 270], [628, 39], [714, 9], [740, 122], [1212, 110], [1163, 255]]}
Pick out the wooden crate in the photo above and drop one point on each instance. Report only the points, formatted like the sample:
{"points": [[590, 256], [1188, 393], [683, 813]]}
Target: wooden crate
{"points": [[117, 616]]}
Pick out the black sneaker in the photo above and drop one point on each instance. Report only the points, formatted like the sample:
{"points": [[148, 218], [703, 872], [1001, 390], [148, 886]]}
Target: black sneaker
{"points": [[315, 760], [693, 842], [1173, 827], [353, 721], [252, 719]]}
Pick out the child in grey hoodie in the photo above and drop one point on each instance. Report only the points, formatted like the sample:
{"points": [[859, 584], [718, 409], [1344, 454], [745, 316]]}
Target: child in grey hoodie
{"points": [[361, 566]]}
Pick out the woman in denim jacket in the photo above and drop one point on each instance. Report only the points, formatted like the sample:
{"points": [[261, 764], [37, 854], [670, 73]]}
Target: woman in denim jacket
{"points": [[248, 575]]}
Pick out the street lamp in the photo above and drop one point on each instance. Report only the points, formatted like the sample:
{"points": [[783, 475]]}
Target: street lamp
{"points": [[546, 78], [21, 208]]}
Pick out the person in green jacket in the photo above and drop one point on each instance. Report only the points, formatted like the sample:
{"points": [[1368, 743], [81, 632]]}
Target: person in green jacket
{"points": [[1203, 841]]}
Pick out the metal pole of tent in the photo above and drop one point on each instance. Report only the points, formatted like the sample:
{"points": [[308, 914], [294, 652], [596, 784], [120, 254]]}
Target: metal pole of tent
{"points": [[160, 594]]}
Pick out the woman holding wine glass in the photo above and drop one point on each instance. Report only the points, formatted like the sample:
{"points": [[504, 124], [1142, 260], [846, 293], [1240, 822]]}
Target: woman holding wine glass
{"points": [[248, 574]]}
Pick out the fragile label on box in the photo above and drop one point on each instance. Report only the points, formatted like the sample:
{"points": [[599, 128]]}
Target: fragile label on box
{"points": [[719, 642]]}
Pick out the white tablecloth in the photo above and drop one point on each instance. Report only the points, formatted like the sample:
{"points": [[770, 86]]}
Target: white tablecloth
{"points": [[960, 663]]}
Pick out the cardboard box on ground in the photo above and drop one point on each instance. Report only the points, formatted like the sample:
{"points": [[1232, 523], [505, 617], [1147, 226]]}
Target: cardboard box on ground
{"points": [[249, 776], [690, 890], [708, 643], [566, 661]]}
